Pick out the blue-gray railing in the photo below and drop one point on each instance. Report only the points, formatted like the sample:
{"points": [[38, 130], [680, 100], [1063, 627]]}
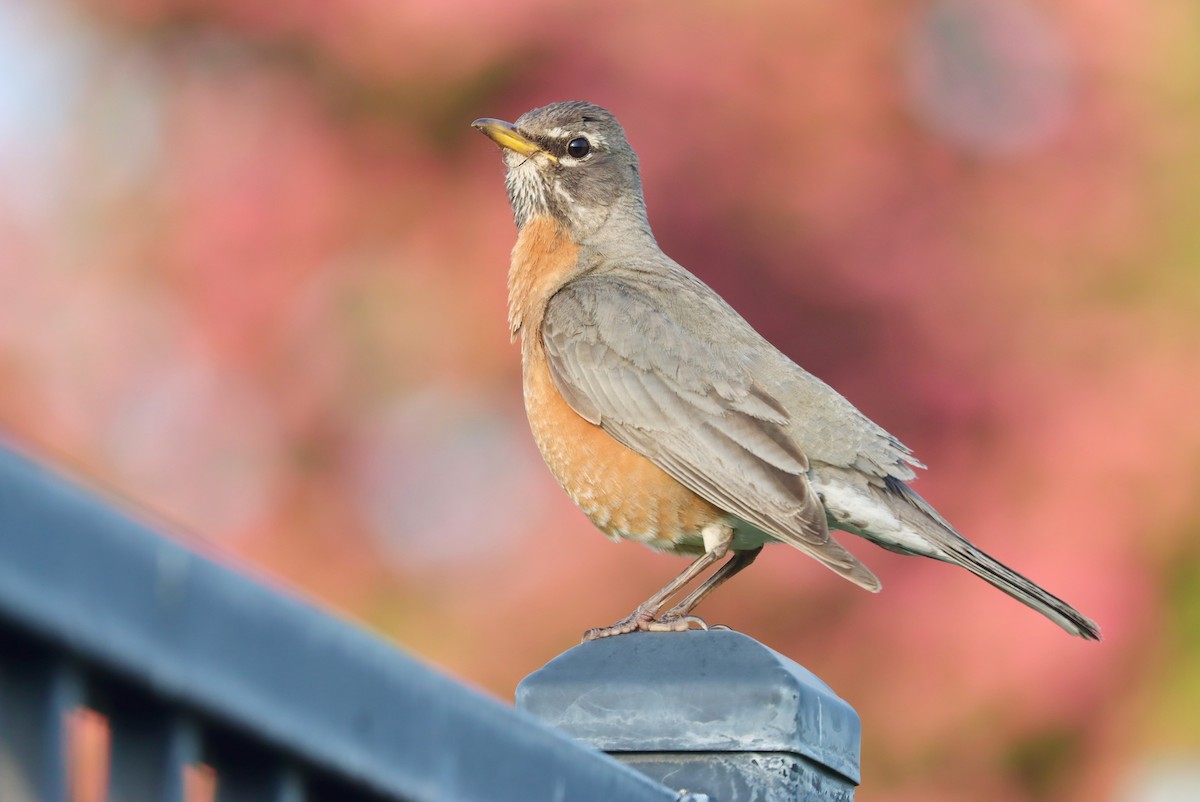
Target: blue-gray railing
{"points": [[191, 663]]}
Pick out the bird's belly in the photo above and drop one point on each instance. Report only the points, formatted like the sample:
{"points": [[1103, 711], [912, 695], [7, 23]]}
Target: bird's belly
{"points": [[623, 493]]}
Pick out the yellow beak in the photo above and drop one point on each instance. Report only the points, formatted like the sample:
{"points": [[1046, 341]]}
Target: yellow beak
{"points": [[507, 136]]}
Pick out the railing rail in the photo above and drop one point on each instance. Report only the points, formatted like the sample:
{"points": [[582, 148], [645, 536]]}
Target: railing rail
{"points": [[191, 663]]}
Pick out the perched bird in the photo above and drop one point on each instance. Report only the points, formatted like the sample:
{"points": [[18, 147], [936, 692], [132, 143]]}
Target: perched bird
{"points": [[665, 416]]}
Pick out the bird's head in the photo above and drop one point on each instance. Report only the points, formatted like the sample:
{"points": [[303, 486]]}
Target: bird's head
{"points": [[571, 161]]}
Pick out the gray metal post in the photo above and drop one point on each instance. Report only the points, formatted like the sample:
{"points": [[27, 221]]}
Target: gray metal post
{"points": [[715, 713]]}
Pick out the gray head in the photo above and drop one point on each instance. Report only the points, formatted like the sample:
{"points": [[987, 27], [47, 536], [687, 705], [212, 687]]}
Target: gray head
{"points": [[571, 161]]}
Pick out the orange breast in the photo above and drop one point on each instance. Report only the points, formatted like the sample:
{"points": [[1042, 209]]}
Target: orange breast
{"points": [[622, 492]]}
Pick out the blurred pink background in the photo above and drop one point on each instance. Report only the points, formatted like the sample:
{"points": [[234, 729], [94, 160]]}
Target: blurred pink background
{"points": [[252, 264]]}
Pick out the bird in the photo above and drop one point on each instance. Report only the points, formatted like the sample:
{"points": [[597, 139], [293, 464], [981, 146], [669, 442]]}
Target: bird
{"points": [[666, 417]]}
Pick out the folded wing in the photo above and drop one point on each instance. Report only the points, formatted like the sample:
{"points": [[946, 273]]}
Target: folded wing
{"points": [[686, 401]]}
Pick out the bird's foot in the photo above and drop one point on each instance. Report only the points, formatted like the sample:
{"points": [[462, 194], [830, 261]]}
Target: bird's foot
{"points": [[677, 623], [644, 621]]}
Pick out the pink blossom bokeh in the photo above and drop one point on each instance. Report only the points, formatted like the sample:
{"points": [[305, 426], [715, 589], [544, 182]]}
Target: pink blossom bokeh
{"points": [[252, 263]]}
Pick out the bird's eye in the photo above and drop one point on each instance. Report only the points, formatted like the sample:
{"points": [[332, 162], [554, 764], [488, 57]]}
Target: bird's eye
{"points": [[578, 147]]}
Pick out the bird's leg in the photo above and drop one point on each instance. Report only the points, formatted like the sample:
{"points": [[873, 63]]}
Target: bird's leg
{"points": [[647, 611], [682, 611], [645, 617]]}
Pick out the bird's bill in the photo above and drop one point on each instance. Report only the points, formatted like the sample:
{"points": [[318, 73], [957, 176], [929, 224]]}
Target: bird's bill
{"points": [[507, 136]]}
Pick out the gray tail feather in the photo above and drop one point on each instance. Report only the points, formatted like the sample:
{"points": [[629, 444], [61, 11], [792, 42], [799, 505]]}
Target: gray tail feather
{"points": [[961, 552], [1025, 591]]}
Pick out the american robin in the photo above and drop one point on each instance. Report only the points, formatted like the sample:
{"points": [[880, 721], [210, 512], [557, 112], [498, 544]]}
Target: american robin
{"points": [[665, 416]]}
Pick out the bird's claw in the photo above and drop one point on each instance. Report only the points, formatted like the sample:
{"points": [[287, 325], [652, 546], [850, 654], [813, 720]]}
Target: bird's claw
{"points": [[642, 621], [680, 623]]}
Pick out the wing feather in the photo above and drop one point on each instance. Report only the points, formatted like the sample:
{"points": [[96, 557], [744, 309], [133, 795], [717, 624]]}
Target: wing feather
{"points": [[690, 405]]}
